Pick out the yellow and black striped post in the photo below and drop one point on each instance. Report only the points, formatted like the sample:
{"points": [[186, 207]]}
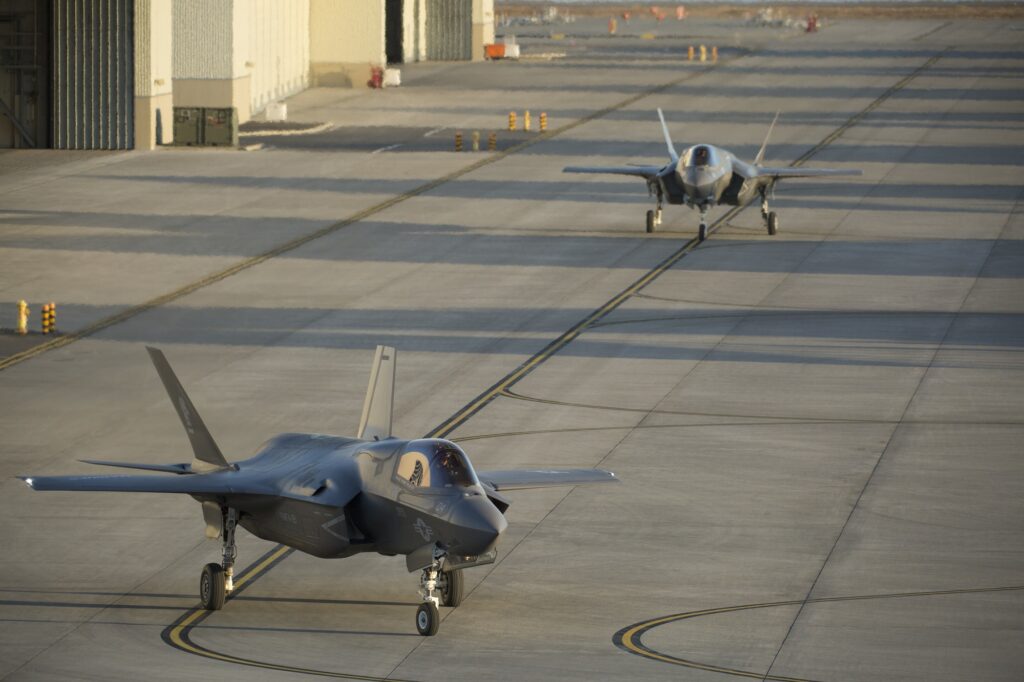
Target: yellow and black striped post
{"points": [[458, 141], [53, 317], [476, 140], [492, 142], [703, 53], [526, 120], [714, 53], [689, 53], [543, 121], [45, 315], [511, 120]]}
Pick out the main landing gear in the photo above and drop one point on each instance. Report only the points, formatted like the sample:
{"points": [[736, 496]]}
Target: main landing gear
{"points": [[771, 219], [217, 580], [448, 583], [654, 217]]}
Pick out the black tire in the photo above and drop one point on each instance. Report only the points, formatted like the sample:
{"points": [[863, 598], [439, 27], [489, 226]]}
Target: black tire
{"points": [[702, 232], [650, 221], [211, 587], [773, 223], [451, 587], [428, 620]]}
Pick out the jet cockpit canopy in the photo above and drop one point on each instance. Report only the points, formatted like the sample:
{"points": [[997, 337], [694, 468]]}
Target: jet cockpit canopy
{"points": [[434, 464], [701, 156]]}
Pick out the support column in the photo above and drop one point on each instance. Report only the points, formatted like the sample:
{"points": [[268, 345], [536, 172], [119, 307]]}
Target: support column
{"points": [[154, 98]]}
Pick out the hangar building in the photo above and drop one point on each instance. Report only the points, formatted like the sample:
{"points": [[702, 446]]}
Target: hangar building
{"points": [[107, 74]]}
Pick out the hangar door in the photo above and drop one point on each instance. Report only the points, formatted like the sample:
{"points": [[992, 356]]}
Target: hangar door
{"points": [[93, 74], [449, 30]]}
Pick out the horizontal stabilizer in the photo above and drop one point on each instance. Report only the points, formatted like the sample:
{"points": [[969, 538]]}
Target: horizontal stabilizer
{"points": [[543, 478], [169, 468], [226, 483]]}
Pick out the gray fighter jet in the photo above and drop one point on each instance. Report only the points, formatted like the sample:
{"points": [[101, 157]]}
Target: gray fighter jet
{"points": [[706, 176], [333, 497]]}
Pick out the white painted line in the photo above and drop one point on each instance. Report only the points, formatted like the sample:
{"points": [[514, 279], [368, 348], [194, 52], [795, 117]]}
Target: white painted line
{"points": [[385, 149]]}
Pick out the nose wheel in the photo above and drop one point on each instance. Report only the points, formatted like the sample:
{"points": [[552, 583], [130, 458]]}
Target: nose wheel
{"points": [[702, 231], [428, 620], [432, 580]]}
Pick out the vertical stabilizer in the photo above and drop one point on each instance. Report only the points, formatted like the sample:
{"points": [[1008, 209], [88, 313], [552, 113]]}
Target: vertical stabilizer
{"points": [[764, 145], [375, 423], [668, 138], [208, 456]]}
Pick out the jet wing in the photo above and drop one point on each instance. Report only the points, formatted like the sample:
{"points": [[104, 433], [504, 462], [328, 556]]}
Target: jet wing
{"points": [[646, 172], [543, 478], [229, 483], [780, 173], [168, 468]]}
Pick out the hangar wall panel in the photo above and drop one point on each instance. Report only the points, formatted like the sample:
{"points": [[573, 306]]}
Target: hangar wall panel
{"points": [[449, 30], [202, 39], [93, 74], [272, 47], [346, 39], [153, 68]]}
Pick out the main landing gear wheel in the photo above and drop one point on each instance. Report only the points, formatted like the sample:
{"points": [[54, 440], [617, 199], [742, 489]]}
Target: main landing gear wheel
{"points": [[702, 232], [650, 222], [773, 223], [427, 619], [211, 587], [450, 585]]}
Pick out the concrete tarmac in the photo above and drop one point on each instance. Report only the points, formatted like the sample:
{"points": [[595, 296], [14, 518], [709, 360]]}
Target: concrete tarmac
{"points": [[818, 434]]}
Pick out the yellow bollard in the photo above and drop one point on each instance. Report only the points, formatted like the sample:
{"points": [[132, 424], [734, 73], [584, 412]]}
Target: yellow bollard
{"points": [[492, 142], [612, 26], [23, 312], [714, 53], [689, 53], [476, 140], [45, 318], [703, 53], [526, 120], [543, 121], [53, 317], [458, 141], [511, 120]]}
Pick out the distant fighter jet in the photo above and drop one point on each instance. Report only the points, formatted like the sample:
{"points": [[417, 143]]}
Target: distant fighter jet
{"points": [[333, 497], [705, 176]]}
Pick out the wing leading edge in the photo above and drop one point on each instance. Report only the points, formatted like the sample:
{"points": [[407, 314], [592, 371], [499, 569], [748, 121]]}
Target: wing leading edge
{"points": [[543, 478], [646, 172]]}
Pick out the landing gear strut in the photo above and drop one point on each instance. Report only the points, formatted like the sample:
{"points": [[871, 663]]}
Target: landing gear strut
{"points": [[428, 620], [771, 220], [654, 217], [217, 580], [702, 231]]}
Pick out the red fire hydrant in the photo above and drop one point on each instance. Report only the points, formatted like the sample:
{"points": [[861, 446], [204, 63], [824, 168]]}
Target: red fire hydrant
{"points": [[376, 77]]}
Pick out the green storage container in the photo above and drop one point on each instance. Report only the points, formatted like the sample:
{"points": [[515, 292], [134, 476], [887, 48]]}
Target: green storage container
{"points": [[188, 125], [220, 127]]}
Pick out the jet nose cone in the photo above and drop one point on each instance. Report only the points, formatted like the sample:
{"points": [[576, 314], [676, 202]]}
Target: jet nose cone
{"points": [[479, 524]]}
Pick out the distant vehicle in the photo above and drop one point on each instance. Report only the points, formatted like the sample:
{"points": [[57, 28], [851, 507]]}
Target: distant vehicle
{"points": [[706, 176], [333, 497]]}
